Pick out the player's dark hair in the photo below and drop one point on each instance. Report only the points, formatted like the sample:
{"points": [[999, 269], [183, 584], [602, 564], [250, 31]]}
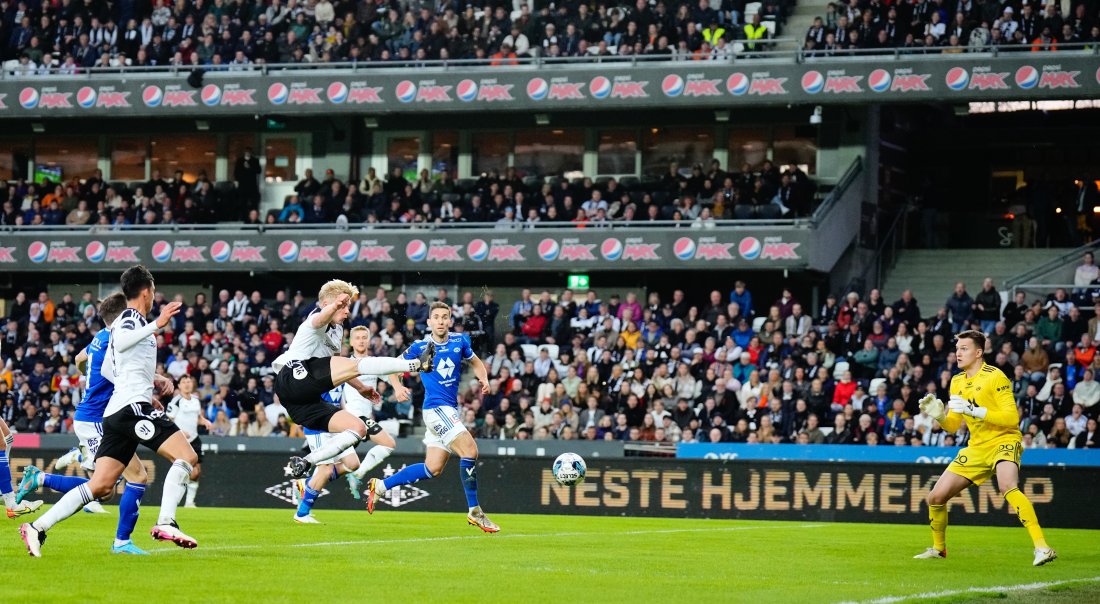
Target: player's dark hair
{"points": [[439, 305], [135, 280], [976, 336], [111, 307]]}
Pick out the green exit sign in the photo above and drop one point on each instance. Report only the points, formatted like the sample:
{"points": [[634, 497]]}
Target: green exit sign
{"points": [[577, 282]]}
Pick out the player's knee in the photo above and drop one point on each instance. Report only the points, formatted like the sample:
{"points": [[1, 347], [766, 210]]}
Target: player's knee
{"points": [[1007, 487], [101, 491], [190, 457], [196, 471], [935, 498], [435, 471]]}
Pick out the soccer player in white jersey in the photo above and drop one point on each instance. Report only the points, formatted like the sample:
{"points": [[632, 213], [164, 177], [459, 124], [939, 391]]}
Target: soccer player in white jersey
{"points": [[363, 408], [186, 410], [130, 419], [308, 369], [6, 491]]}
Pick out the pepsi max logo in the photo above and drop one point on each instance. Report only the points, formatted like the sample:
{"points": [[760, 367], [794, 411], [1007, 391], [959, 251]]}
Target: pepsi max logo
{"points": [[95, 251], [28, 98], [813, 82], [537, 89], [210, 95], [466, 90], [220, 251], [337, 92], [288, 251], [37, 252], [879, 80], [406, 91], [86, 97], [416, 250], [348, 251], [1027, 77], [738, 84], [750, 248], [957, 78], [2, 105], [672, 85], [477, 250], [599, 87], [684, 248], [7, 255], [548, 249], [152, 96], [278, 93], [1056, 78], [611, 249], [162, 251]]}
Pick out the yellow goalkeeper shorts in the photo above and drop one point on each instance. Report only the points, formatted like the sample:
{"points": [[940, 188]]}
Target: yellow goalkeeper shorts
{"points": [[978, 463]]}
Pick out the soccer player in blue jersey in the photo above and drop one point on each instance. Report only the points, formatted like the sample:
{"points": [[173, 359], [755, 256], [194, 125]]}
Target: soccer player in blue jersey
{"points": [[88, 426], [446, 433]]}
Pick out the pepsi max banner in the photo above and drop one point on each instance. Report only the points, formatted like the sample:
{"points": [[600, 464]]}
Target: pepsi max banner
{"points": [[885, 454], [759, 490], [1024, 76], [468, 250]]}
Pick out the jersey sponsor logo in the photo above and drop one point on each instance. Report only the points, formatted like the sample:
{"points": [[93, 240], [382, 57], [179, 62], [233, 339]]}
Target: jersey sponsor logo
{"points": [[298, 370], [144, 429], [445, 367]]}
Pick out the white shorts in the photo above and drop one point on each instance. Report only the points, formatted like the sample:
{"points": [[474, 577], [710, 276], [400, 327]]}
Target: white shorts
{"points": [[359, 409], [316, 441], [90, 435], [444, 426]]}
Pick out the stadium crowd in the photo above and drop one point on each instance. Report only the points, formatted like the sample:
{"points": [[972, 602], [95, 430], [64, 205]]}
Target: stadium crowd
{"points": [[951, 27], [697, 196], [71, 36], [652, 369]]}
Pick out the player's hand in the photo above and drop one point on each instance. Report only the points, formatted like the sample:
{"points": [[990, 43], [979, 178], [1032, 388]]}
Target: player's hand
{"points": [[401, 393], [167, 312], [932, 407], [206, 423], [342, 300], [164, 386], [485, 386], [157, 405], [370, 394], [958, 404]]}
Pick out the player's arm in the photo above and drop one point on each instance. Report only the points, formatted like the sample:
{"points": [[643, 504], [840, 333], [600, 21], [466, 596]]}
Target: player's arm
{"points": [[934, 408], [82, 361], [131, 333], [481, 372], [368, 393], [324, 317], [400, 391]]}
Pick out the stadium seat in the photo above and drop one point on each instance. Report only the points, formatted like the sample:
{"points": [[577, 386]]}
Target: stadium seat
{"points": [[551, 348], [532, 182], [839, 368], [601, 181], [758, 323], [875, 383], [630, 183], [742, 212], [530, 351], [451, 197], [465, 185], [770, 212]]}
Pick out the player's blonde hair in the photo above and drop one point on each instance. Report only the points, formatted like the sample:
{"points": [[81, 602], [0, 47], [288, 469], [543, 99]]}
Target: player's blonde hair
{"points": [[359, 328], [334, 288]]}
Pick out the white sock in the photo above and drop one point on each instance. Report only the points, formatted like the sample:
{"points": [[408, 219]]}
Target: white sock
{"points": [[375, 456], [192, 489], [69, 504], [174, 482], [386, 366], [9, 500], [121, 542], [338, 442]]}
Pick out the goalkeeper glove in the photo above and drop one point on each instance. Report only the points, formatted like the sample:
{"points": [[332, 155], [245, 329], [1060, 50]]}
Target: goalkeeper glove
{"points": [[958, 404], [932, 407]]}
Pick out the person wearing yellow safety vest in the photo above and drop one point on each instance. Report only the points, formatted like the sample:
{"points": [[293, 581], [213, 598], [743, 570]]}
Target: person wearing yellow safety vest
{"points": [[712, 33], [754, 31]]}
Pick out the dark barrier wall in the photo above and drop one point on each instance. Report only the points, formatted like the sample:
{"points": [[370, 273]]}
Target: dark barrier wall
{"points": [[753, 247], [850, 492], [964, 77]]}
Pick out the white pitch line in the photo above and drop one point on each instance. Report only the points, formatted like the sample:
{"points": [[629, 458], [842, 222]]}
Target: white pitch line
{"points": [[978, 590], [509, 536]]}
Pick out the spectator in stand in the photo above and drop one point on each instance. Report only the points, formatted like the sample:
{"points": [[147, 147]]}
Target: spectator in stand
{"points": [[987, 306], [961, 307]]}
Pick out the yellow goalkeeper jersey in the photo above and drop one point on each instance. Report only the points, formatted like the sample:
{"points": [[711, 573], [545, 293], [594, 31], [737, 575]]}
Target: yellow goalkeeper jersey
{"points": [[991, 389]]}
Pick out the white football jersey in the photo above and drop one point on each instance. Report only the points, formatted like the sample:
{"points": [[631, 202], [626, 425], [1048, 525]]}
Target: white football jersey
{"points": [[310, 342], [356, 403], [131, 360], [185, 412]]}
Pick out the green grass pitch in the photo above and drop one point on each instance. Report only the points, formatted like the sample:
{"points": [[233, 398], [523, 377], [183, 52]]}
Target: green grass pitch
{"points": [[256, 556]]}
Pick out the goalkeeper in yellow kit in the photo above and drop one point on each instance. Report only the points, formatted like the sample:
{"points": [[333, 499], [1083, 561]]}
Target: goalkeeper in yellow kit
{"points": [[982, 397]]}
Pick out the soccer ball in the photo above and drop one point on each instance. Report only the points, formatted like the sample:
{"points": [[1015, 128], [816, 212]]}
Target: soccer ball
{"points": [[569, 469]]}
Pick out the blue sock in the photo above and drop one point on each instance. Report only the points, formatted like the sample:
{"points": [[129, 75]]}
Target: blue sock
{"points": [[62, 484], [128, 510], [5, 473], [468, 475], [408, 475], [306, 505]]}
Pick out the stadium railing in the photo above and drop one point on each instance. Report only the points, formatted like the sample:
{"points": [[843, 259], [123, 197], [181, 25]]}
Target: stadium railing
{"points": [[539, 62]]}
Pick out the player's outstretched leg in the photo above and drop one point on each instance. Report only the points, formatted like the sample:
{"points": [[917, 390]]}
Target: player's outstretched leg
{"points": [[1008, 478], [129, 508], [949, 485], [434, 462], [15, 506], [177, 450], [465, 446]]}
